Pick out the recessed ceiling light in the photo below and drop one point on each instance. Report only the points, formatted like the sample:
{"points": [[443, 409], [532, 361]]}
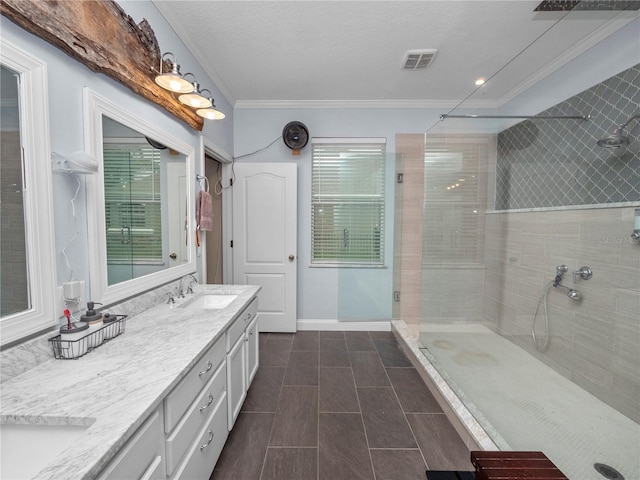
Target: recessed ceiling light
{"points": [[480, 81]]}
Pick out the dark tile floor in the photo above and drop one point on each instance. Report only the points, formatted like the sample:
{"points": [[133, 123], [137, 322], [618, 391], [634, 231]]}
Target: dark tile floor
{"points": [[338, 406]]}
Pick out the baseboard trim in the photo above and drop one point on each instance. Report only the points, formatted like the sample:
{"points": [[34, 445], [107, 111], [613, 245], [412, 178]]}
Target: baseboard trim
{"points": [[333, 325]]}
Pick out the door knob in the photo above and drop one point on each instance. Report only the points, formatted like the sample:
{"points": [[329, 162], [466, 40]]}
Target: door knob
{"points": [[291, 258], [173, 256]]}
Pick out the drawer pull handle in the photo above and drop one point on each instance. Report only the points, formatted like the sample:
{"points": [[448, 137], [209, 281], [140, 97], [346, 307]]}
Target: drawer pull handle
{"points": [[209, 367], [208, 404], [202, 447]]}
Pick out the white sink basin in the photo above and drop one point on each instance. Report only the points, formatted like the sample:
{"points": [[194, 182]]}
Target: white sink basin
{"points": [[27, 449], [210, 301]]}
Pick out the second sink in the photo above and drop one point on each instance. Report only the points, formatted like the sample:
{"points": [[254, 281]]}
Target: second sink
{"points": [[211, 301]]}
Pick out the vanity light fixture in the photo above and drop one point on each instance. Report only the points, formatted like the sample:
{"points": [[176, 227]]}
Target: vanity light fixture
{"points": [[188, 89], [211, 113], [195, 99], [173, 80]]}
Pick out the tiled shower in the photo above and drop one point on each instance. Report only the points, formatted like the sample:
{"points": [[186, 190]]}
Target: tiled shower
{"points": [[545, 195]]}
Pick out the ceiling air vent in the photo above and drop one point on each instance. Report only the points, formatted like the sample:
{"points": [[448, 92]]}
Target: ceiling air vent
{"points": [[418, 59]]}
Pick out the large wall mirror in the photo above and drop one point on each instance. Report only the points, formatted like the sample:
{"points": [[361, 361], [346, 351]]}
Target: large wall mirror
{"points": [[27, 252], [141, 206]]}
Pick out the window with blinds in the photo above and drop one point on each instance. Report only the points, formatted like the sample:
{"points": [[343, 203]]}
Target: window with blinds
{"points": [[347, 202], [132, 204]]}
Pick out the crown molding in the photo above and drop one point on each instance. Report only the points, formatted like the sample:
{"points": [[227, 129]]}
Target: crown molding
{"points": [[352, 104]]}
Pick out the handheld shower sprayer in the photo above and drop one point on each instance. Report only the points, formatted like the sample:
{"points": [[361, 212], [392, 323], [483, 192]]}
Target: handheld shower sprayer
{"points": [[571, 293], [584, 273]]}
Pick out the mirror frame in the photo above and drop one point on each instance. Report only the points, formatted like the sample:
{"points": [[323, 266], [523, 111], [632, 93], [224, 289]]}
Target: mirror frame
{"points": [[38, 194], [95, 106]]}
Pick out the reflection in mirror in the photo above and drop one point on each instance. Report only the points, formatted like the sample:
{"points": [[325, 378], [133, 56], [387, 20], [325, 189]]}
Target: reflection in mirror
{"points": [[27, 251], [142, 206], [145, 203], [14, 294]]}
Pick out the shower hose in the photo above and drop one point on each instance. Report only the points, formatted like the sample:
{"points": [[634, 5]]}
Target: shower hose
{"points": [[542, 299]]}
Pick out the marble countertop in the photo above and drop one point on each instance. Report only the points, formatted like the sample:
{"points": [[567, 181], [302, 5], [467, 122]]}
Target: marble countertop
{"points": [[116, 386]]}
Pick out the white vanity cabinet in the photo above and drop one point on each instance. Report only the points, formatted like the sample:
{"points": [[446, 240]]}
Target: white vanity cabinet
{"points": [[142, 458], [242, 358], [195, 417], [185, 434]]}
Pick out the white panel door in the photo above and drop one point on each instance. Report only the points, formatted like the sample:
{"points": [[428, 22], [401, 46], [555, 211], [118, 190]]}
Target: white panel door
{"points": [[265, 239]]}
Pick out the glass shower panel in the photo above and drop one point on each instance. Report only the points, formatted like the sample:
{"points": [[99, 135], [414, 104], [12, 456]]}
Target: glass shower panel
{"points": [[455, 201], [365, 289]]}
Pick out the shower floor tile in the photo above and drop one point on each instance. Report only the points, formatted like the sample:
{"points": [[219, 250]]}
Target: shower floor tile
{"points": [[541, 410], [339, 429]]}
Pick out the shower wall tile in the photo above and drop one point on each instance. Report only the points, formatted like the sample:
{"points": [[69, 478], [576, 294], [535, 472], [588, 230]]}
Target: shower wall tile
{"points": [[546, 163], [593, 342], [411, 149]]}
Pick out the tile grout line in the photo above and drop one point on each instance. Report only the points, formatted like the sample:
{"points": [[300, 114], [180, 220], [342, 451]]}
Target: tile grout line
{"points": [[266, 451], [366, 437], [318, 416], [415, 439]]}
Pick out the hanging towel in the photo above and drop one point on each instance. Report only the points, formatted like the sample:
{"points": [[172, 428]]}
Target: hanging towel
{"points": [[204, 211]]}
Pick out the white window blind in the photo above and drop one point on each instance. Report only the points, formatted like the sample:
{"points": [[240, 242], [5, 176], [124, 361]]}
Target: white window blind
{"points": [[348, 201], [132, 204]]}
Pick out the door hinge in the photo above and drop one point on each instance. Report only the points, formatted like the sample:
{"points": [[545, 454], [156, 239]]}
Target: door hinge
{"points": [[231, 242]]}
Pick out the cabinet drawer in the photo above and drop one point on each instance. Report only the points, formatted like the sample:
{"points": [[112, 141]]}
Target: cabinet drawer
{"points": [[205, 450], [238, 327], [142, 456], [195, 418], [181, 397]]}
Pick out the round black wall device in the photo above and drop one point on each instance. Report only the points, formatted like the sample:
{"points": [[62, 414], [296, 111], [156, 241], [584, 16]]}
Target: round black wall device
{"points": [[295, 135]]}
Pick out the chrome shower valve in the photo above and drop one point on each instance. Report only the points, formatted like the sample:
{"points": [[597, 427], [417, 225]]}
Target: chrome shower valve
{"points": [[584, 273]]}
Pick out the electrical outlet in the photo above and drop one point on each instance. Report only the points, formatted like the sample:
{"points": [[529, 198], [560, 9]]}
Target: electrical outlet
{"points": [[73, 306]]}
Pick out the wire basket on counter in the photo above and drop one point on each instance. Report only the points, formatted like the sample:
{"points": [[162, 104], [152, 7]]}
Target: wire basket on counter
{"points": [[68, 349]]}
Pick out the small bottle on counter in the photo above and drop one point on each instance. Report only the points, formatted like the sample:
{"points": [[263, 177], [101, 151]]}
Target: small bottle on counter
{"points": [[95, 334], [72, 341], [112, 326]]}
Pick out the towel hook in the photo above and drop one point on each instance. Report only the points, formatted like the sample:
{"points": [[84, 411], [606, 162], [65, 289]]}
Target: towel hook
{"points": [[200, 178]]}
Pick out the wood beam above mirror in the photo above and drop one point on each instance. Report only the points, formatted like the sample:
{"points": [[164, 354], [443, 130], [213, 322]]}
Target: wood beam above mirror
{"points": [[101, 36]]}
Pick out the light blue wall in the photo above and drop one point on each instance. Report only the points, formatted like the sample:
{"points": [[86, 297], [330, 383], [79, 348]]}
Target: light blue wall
{"points": [[330, 293], [66, 79]]}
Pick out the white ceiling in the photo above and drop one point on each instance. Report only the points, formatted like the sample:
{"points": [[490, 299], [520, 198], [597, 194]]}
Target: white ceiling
{"points": [[349, 53]]}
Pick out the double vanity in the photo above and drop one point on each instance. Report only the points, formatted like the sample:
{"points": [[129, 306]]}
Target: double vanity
{"points": [[157, 402]]}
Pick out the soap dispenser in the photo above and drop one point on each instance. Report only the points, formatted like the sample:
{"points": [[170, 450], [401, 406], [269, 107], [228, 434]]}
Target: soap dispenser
{"points": [[94, 319], [71, 343]]}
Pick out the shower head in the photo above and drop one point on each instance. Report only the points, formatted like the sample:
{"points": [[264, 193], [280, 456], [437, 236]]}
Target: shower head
{"points": [[617, 139], [574, 295]]}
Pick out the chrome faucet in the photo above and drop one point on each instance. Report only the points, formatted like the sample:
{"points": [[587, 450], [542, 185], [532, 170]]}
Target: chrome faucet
{"points": [[190, 279]]}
